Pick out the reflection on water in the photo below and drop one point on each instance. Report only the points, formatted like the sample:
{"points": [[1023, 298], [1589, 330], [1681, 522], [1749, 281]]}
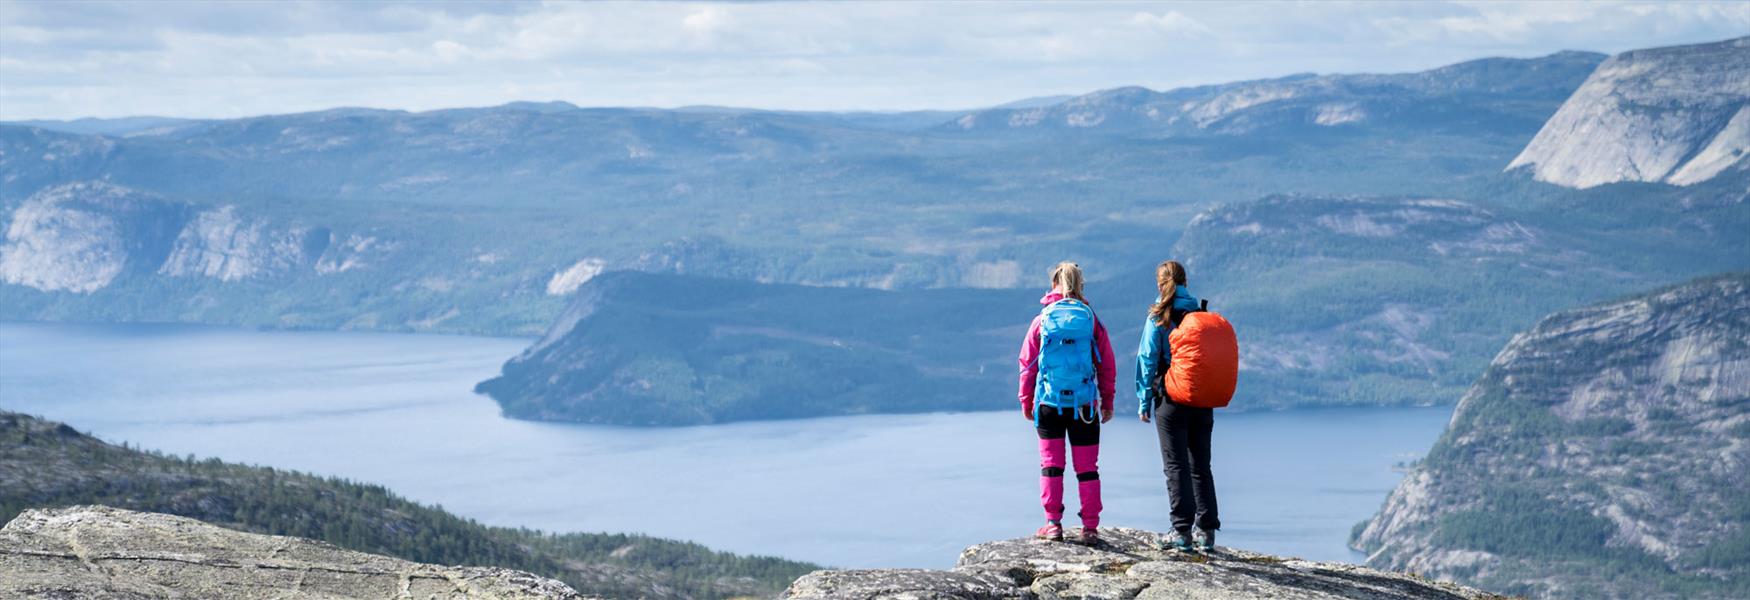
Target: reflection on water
{"points": [[907, 490]]}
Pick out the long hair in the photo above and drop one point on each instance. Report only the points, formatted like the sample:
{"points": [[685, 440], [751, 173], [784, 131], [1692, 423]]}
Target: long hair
{"points": [[1067, 276], [1168, 277]]}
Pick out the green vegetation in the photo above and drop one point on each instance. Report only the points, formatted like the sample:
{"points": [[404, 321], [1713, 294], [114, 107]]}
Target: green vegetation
{"points": [[44, 464]]}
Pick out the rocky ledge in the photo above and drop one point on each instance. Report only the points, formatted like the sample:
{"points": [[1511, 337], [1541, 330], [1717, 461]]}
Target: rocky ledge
{"points": [[1126, 564], [101, 552]]}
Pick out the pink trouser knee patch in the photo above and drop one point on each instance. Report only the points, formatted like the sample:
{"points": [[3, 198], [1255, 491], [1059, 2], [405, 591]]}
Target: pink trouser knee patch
{"points": [[1051, 487], [1087, 461]]}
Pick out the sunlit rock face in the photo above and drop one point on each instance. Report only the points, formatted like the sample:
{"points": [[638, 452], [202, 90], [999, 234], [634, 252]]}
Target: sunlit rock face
{"points": [[1678, 115], [80, 237]]}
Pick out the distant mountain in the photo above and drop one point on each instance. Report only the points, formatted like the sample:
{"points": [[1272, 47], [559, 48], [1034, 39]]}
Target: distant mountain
{"points": [[119, 126], [650, 349], [1602, 454], [489, 220], [1036, 101], [44, 464], [480, 220], [1678, 115], [1493, 93]]}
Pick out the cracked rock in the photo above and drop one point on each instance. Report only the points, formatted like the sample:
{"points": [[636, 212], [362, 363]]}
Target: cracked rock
{"points": [[1126, 565]]}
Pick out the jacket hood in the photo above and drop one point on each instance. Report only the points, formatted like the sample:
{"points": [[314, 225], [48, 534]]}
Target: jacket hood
{"points": [[1050, 297]]}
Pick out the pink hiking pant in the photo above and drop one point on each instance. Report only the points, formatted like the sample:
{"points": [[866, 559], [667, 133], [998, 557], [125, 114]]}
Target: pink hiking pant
{"points": [[1052, 461]]}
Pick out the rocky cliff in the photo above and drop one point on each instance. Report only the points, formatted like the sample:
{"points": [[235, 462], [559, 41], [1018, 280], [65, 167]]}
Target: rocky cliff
{"points": [[1125, 565], [1604, 453], [101, 552], [1677, 115]]}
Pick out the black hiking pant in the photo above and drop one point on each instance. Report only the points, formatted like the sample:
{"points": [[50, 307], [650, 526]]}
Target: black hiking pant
{"points": [[1184, 436]]}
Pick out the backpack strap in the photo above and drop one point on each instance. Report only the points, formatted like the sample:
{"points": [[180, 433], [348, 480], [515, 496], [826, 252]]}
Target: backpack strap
{"points": [[1176, 315]]}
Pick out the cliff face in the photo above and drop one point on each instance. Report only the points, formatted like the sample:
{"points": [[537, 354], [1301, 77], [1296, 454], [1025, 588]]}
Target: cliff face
{"points": [[1125, 565], [1604, 453], [81, 237], [1678, 115], [101, 552]]}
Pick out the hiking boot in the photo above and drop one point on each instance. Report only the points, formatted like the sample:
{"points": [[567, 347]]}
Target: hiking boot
{"points": [[1090, 536], [1051, 531], [1176, 542], [1205, 540]]}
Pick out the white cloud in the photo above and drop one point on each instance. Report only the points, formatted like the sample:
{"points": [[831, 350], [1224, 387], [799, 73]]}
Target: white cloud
{"points": [[234, 59], [1171, 22], [707, 19]]}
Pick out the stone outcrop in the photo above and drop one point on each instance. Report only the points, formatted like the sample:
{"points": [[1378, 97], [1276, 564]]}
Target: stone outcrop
{"points": [[1678, 115], [95, 552], [1126, 564]]}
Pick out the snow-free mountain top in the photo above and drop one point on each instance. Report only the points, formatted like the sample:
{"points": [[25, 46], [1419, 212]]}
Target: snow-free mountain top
{"points": [[1678, 115]]}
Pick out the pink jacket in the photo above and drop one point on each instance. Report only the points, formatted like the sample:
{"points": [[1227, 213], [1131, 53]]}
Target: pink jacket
{"points": [[1030, 360]]}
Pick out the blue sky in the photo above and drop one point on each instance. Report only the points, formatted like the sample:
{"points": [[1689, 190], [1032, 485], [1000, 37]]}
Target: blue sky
{"points": [[211, 59]]}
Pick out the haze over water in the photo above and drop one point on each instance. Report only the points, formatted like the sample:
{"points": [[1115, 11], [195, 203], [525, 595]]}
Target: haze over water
{"points": [[888, 490]]}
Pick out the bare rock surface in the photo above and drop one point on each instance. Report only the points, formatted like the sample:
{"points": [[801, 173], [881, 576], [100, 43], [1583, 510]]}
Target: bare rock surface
{"points": [[98, 552], [1678, 115], [1127, 564]]}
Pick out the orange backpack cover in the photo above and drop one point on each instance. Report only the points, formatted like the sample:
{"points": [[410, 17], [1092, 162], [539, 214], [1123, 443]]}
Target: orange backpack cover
{"points": [[1206, 361]]}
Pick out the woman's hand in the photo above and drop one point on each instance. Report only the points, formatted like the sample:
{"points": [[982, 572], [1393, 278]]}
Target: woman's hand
{"points": [[1142, 417], [1106, 417], [1027, 411]]}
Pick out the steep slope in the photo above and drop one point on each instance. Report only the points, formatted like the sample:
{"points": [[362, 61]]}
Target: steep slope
{"points": [[45, 464], [1604, 453], [1678, 115], [1127, 564], [650, 349], [101, 552]]}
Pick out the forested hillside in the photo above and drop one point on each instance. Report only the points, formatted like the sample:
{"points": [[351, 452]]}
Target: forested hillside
{"points": [[47, 464]]}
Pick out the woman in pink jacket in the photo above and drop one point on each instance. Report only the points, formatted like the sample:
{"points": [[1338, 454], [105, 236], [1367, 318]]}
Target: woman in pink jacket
{"points": [[1068, 371]]}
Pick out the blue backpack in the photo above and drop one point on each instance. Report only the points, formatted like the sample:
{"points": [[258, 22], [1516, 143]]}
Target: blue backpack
{"points": [[1067, 374]]}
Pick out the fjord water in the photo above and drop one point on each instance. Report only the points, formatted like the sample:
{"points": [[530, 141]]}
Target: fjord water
{"points": [[885, 490]]}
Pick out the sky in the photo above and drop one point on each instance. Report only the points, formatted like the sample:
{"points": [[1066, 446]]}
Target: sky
{"points": [[210, 59]]}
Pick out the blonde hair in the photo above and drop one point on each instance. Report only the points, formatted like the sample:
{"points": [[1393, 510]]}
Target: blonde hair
{"points": [[1067, 276], [1168, 277]]}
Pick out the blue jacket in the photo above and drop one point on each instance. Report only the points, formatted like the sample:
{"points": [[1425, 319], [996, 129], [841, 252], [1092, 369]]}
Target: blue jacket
{"points": [[1152, 355]]}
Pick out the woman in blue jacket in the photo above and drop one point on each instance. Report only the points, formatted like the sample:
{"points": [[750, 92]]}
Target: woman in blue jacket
{"points": [[1183, 430]]}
